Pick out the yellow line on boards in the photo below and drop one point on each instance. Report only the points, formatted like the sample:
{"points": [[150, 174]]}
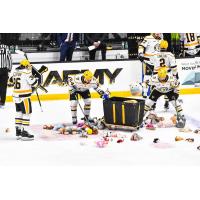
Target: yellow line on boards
{"points": [[190, 91]]}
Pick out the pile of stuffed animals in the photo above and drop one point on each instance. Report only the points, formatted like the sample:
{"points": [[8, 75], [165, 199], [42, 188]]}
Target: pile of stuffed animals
{"points": [[152, 121], [81, 128]]}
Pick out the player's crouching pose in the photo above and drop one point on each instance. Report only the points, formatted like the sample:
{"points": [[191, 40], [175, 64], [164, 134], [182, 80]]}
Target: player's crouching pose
{"points": [[80, 84], [165, 84], [23, 81]]}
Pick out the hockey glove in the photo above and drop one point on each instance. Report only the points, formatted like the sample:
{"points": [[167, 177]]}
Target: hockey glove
{"points": [[72, 90], [141, 57], [176, 90], [10, 82], [105, 96], [176, 76]]}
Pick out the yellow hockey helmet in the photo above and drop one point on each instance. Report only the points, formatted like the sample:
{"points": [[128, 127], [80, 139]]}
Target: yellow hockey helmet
{"points": [[88, 75], [163, 44], [25, 63], [162, 73]]}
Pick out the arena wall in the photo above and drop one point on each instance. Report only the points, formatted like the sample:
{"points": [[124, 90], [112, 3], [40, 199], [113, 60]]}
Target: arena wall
{"points": [[116, 76]]}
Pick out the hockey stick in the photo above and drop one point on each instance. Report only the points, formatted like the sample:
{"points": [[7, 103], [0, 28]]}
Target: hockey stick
{"points": [[25, 55], [180, 124], [39, 100], [21, 53], [86, 119]]}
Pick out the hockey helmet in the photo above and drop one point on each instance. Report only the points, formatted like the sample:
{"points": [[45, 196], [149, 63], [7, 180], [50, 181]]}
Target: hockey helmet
{"points": [[25, 63], [162, 73], [88, 75], [163, 44]]}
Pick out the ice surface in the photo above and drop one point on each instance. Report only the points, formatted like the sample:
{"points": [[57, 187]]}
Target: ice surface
{"points": [[53, 149]]}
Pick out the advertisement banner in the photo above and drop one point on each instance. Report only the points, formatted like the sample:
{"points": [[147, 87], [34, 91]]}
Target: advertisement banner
{"points": [[116, 76], [189, 74]]}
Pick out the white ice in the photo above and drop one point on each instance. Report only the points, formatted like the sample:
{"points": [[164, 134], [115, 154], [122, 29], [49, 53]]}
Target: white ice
{"points": [[48, 149]]}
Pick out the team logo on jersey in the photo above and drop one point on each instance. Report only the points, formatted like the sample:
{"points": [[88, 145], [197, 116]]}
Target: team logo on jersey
{"points": [[164, 89], [157, 47]]}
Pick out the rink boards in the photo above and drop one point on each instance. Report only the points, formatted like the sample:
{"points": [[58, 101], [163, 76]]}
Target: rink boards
{"points": [[116, 76]]}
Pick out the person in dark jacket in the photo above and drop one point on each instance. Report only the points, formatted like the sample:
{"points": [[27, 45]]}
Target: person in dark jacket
{"points": [[67, 43], [95, 41]]}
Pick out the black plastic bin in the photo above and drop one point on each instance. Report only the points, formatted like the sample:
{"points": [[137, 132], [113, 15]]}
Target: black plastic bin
{"points": [[122, 111]]}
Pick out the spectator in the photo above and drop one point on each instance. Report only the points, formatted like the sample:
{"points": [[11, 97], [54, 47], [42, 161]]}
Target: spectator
{"points": [[53, 39], [167, 37], [5, 68], [10, 38], [176, 45], [67, 43], [95, 41], [48, 38]]}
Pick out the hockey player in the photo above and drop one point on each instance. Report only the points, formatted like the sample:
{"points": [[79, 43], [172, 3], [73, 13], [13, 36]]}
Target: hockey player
{"points": [[165, 84], [163, 59], [23, 81], [149, 47], [80, 84], [190, 44]]}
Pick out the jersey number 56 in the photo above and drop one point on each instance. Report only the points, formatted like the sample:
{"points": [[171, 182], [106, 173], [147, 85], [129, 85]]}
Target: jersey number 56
{"points": [[17, 83]]}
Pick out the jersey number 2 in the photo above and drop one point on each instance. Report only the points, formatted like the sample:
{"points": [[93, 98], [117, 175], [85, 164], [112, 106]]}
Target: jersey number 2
{"points": [[162, 62]]}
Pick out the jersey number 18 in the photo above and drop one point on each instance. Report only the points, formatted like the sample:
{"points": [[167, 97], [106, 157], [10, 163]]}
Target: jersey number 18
{"points": [[190, 37]]}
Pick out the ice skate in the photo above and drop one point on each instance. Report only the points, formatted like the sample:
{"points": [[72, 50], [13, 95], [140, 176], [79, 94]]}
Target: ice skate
{"points": [[74, 120], [25, 136], [18, 133], [153, 107]]}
